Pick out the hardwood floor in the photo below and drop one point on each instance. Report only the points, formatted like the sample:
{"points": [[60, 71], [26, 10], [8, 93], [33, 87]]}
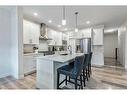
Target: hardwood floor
{"points": [[101, 78], [9, 82], [111, 62]]}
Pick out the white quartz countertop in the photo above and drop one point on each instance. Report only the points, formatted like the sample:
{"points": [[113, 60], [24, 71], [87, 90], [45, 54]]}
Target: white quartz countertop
{"points": [[27, 54], [60, 58]]}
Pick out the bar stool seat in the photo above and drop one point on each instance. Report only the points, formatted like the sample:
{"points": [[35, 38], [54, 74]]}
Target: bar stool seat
{"points": [[66, 70]]}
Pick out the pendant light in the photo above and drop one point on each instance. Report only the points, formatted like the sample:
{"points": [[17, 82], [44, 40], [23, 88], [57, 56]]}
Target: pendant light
{"points": [[76, 28], [64, 20]]}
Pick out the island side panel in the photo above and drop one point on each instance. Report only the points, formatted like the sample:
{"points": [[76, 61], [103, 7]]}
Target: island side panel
{"points": [[45, 74]]}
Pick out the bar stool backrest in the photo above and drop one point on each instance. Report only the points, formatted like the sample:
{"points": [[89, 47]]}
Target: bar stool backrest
{"points": [[90, 57], [78, 65], [86, 59]]}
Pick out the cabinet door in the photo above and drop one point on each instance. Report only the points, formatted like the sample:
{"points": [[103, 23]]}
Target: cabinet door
{"points": [[26, 31], [86, 33], [31, 32], [29, 64], [58, 38], [27, 61], [97, 36], [35, 32], [64, 36], [51, 34], [71, 34]]}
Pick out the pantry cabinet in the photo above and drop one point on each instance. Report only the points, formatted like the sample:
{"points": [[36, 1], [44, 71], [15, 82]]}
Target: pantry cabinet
{"points": [[31, 32], [98, 36]]}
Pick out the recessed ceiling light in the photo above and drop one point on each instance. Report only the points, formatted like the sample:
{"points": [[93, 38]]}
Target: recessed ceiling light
{"points": [[59, 25], [87, 22], [35, 14], [50, 21]]}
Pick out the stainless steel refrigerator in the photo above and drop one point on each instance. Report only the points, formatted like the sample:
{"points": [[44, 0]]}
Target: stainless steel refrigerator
{"points": [[85, 45]]}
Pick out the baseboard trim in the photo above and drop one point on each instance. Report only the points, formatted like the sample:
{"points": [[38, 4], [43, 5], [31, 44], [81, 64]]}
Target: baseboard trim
{"points": [[115, 67], [5, 75], [94, 65]]}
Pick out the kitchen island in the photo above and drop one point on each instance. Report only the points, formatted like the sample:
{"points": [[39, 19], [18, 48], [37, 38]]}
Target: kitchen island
{"points": [[47, 69]]}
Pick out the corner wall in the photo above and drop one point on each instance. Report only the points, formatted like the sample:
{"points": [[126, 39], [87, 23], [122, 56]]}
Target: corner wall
{"points": [[5, 42], [121, 44], [17, 43], [11, 41]]}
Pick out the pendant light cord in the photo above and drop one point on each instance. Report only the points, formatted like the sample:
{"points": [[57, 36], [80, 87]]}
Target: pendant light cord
{"points": [[64, 12], [76, 14]]}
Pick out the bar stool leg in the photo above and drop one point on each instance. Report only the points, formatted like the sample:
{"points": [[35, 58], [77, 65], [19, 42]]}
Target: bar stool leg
{"points": [[66, 81], [58, 75], [76, 83], [87, 74], [84, 78], [89, 70], [81, 81], [69, 79]]}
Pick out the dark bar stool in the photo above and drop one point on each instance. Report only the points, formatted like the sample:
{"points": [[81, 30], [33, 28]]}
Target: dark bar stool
{"points": [[89, 64], [85, 68], [72, 71]]}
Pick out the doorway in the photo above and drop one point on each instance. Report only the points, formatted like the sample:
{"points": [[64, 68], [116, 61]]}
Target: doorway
{"points": [[111, 49]]}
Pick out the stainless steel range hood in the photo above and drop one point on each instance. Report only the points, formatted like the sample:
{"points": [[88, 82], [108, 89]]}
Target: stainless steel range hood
{"points": [[43, 32]]}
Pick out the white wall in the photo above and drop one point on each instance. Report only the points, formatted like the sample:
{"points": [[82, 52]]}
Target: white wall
{"points": [[121, 43], [5, 42], [125, 58], [11, 43], [110, 43]]}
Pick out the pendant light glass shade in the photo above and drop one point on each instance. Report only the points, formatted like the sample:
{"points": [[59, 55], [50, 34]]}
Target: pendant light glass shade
{"points": [[64, 20], [76, 28]]}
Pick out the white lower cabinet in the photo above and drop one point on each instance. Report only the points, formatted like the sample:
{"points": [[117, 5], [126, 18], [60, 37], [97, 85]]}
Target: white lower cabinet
{"points": [[29, 64]]}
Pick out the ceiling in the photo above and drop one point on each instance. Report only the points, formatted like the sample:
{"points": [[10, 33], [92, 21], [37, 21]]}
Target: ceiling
{"points": [[109, 16]]}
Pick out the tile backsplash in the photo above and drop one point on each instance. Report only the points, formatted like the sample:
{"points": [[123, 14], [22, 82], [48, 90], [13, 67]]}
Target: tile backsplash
{"points": [[28, 48]]}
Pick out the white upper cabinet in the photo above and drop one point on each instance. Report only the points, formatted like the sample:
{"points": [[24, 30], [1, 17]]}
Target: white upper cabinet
{"points": [[71, 34], [64, 36], [98, 36], [31, 32], [56, 37], [84, 33], [26, 31]]}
